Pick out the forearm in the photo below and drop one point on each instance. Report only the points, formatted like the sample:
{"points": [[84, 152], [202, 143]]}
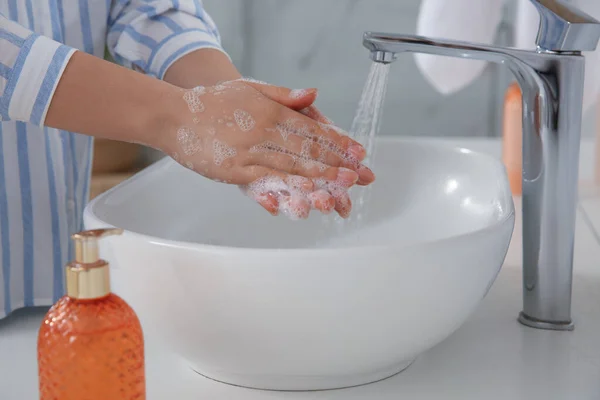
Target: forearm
{"points": [[97, 98], [204, 67]]}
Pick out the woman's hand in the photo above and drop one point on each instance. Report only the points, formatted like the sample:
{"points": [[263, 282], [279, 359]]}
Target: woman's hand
{"points": [[270, 141], [246, 133]]}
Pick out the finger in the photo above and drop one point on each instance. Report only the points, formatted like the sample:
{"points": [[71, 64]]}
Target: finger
{"points": [[323, 152], [306, 148], [293, 164], [343, 203], [329, 136], [322, 201], [336, 134], [269, 201], [310, 122], [351, 159], [302, 100], [301, 196], [296, 99], [266, 194], [291, 195], [295, 206], [304, 153], [365, 175], [263, 179], [294, 137], [313, 112]]}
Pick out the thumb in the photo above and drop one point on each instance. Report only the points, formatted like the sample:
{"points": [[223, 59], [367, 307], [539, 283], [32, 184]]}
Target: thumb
{"points": [[296, 99]]}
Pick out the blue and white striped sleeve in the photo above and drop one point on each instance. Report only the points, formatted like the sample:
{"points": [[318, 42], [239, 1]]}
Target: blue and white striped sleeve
{"points": [[30, 68], [152, 34]]}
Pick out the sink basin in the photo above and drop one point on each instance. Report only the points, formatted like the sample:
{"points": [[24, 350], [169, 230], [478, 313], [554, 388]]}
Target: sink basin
{"points": [[264, 302]]}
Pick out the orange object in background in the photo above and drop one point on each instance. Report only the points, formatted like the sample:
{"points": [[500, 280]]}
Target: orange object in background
{"points": [[512, 137], [597, 166], [91, 344]]}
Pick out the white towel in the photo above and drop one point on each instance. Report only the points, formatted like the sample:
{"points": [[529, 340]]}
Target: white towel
{"points": [[465, 20], [450, 19], [527, 23]]}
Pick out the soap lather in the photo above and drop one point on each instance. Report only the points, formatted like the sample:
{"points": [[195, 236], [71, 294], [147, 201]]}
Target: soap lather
{"points": [[90, 343]]}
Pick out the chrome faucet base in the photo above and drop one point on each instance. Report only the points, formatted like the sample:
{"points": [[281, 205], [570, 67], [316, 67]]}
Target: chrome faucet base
{"points": [[552, 326]]}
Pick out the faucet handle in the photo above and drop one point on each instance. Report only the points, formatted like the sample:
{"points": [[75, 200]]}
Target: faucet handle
{"points": [[565, 28]]}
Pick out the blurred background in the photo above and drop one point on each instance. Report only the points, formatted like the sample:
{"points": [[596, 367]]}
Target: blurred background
{"points": [[318, 43]]}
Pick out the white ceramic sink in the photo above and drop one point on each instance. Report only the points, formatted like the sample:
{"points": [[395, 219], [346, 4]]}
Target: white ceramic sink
{"points": [[287, 305]]}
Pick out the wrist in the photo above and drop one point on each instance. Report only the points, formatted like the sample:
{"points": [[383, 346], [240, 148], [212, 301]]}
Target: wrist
{"points": [[163, 112], [204, 67]]}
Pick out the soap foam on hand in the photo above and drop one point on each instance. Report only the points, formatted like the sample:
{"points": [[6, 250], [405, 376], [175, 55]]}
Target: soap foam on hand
{"points": [[192, 98], [298, 93], [294, 197], [244, 120]]}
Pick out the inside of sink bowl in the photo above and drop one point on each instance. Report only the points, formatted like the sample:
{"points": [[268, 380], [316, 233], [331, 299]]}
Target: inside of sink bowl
{"points": [[423, 192]]}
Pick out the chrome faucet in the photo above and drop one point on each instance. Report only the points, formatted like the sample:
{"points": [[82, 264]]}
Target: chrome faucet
{"points": [[551, 78]]}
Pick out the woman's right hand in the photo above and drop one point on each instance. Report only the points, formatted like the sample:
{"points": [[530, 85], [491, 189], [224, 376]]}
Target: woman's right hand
{"points": [[245, 133]]}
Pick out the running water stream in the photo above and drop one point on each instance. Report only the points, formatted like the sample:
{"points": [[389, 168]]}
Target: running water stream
{"points": [[365, 128]]}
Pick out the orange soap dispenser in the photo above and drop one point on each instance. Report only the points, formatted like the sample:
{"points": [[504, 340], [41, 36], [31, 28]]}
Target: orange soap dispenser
{"points": [[90, 344]]}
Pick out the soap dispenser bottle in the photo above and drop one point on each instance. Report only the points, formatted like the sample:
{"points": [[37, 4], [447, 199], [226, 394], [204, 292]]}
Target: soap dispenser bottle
{"points": [[90, 343]]}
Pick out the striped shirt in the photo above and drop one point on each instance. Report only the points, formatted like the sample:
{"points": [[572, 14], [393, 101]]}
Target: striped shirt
{"points": [[45, 173]]}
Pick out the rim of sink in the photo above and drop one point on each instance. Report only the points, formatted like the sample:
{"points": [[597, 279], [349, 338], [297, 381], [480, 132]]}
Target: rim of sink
{"points": [[90, 216]]}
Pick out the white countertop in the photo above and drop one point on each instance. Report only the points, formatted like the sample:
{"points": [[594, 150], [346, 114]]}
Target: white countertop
{"points": [[490, 357]]}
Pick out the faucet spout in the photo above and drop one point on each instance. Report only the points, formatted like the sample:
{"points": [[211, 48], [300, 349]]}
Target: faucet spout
{"points": [[384, 57], [551, 80]]}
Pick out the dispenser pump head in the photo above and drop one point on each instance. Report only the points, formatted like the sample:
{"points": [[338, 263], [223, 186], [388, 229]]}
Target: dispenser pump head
{"points": [[86, 244], [88, 276]]}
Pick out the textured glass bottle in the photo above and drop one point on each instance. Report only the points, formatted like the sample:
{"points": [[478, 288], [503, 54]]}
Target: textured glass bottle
{"points": [[90, 344]]}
